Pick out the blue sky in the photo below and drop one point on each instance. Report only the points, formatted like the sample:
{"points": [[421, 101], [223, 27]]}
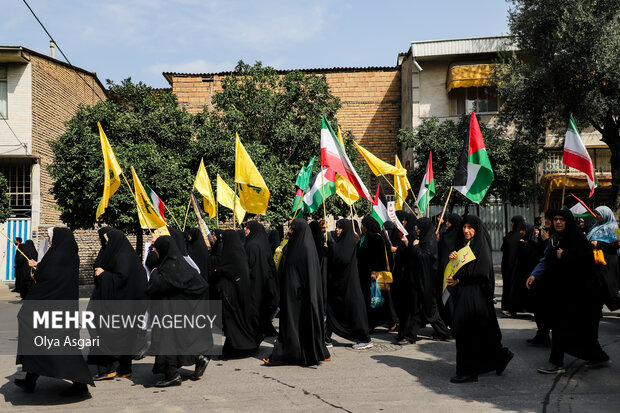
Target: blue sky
{"points": [[142, 38]]}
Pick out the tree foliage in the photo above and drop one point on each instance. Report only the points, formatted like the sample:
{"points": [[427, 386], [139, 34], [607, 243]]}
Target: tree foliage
{"points": [[569, 62], [5, 199], [514, 162]]}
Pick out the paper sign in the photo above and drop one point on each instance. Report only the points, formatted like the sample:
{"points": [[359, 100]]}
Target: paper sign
{"points": [[391, 209], [463, 256]]}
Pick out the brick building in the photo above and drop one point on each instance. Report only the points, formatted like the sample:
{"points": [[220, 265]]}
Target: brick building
{"points": [[38, 94]]}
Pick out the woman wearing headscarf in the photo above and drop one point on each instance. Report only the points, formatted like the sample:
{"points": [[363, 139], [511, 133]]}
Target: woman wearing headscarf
{"points": [[478, 337], [575, 299], [176, 286], [263, 276], [510, 247], [520, 298], [346, 311], [403, 290], [603, 236], [274, 239], [57, 278], [119, 275], [180, 239], [199, 252], [424, 253], [23, 271], [232, 282], [446, 244], [318, 235], [302, 333]]}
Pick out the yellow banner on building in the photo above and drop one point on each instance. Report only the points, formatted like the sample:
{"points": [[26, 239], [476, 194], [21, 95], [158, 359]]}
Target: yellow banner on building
{"points": [[146, 213], [225, 198], [253, 191], [112, 171], [203, 185], [402, 185]]}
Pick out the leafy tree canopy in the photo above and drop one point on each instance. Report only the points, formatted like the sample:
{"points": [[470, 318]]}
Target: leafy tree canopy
{"points": [[5, 199]]}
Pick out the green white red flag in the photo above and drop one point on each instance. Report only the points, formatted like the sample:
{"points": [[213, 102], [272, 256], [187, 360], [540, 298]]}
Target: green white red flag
{"points": [[427, 187]]}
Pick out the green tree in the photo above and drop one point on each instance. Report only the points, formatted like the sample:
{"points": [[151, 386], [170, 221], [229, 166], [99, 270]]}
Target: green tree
{"points": [[514, 162], [146, 130], [278, 119], [5, 199], [569, 62]]}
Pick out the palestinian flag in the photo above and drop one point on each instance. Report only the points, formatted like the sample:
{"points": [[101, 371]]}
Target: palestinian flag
{"points": [[474, 174], [333, 156], [427, 187], [578, 207], [158, 204], [379, 207], [323, 183], [576, 155], [302, 182]]}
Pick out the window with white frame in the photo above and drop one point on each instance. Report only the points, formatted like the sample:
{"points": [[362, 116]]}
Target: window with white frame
{"points": [[3, 92], [482, 99]]}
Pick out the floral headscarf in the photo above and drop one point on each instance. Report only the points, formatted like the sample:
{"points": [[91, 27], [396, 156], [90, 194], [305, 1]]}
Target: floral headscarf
{"points": [[606, 230]]}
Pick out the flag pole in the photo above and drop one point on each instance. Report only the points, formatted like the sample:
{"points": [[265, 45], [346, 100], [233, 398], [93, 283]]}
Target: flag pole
{"points": [[351, 209], [324, 209], [16, 246], [235, 207], [187, 211], [173, 217], [564, 188], [301, 200], [135, 198], [443, 211], [401, 198]]}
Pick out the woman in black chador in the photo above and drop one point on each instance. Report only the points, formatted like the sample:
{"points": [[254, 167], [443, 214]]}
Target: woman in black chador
{"points": [[575, 299], [478, 337], [346, 311], [302, 332], [119, 275], [174, 283], [199, 252], [263, 276], [318, 235], [510, 249], [232, 282], [56, 279], [521, 300], [446, 244], [424, 252], [22, 269]]}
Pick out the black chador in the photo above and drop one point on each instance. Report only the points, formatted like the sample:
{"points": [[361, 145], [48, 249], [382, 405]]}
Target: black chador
{"points": [[319, 242], [446, 244], [510, 249], [199, 252], [22, 269], [521, 299], [301, 337], [263, 276], [425, 263], [119, 275], [56, 279], [232, 281], [176, 287], [478, 337], [402, 290], [346, 310]]}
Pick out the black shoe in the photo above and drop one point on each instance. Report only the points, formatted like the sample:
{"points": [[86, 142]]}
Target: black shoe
{"points": [[76, 389], [509, 356], [175, 381], [551, 369], [24, 385], [201, 365], [464, 379], [598, 363], [539, 341]]}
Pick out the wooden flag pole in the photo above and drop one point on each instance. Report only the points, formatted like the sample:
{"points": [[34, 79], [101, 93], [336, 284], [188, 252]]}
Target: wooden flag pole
{"points": [[16, 246], [173, 217], [564, 188], [135, 198], [324, 209], [235, 207], [187, 212], [401, 198], [301, 200], [443, 211]]}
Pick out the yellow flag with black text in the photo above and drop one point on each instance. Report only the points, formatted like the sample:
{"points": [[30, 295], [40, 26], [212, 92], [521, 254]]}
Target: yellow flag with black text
{"points": [[203, 185], [148, 217], [253, 191], [112, 171], [225, 197]]}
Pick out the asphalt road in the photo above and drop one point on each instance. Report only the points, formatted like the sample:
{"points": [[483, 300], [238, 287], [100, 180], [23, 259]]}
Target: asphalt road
{"points": [[386, 378]]}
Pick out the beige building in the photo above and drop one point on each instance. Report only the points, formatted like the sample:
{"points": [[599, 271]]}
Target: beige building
{"points": [[37, 95]]}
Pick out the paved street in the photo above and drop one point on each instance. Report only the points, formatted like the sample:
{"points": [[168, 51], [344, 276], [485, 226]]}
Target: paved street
{"points": [[387, 378]]}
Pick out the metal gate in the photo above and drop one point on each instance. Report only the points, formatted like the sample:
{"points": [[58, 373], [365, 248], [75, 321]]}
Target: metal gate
{"points": [[18, 227]]}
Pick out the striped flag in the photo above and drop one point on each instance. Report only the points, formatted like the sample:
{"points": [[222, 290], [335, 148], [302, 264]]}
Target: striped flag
{"points": [[379, 207], [158, 204], [576, 155], [320, 185], [427, 187], [578, 207]]}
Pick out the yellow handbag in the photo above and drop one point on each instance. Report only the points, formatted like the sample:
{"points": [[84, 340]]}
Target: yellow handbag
{"points": [[599, 257], [384, 278]]}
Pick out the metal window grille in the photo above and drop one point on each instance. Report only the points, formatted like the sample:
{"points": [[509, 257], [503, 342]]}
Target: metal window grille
{"points": [[19, 184]]}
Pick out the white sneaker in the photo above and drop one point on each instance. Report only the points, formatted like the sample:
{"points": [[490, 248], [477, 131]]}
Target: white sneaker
{"points": [[362, 346], [328, 344]]}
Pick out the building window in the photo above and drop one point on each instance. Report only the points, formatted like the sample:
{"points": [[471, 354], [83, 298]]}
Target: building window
{"points": [[17, 174], [601, 157], [3, 92], [482, 99]]}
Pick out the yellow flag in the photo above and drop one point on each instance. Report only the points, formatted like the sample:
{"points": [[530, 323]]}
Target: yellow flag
{"points": [[253, 191], [346, 190], [377, 166], [112, 171], [340, 137], [146, 213], [402, 185], [225, 197], [203, 185]]}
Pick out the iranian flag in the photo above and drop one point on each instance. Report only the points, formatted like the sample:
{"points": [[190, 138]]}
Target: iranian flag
{"points": [[576, 155], [474, 174], [158, 204], [333, 156], [379, 207], [323, 184], [427, 187]]}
